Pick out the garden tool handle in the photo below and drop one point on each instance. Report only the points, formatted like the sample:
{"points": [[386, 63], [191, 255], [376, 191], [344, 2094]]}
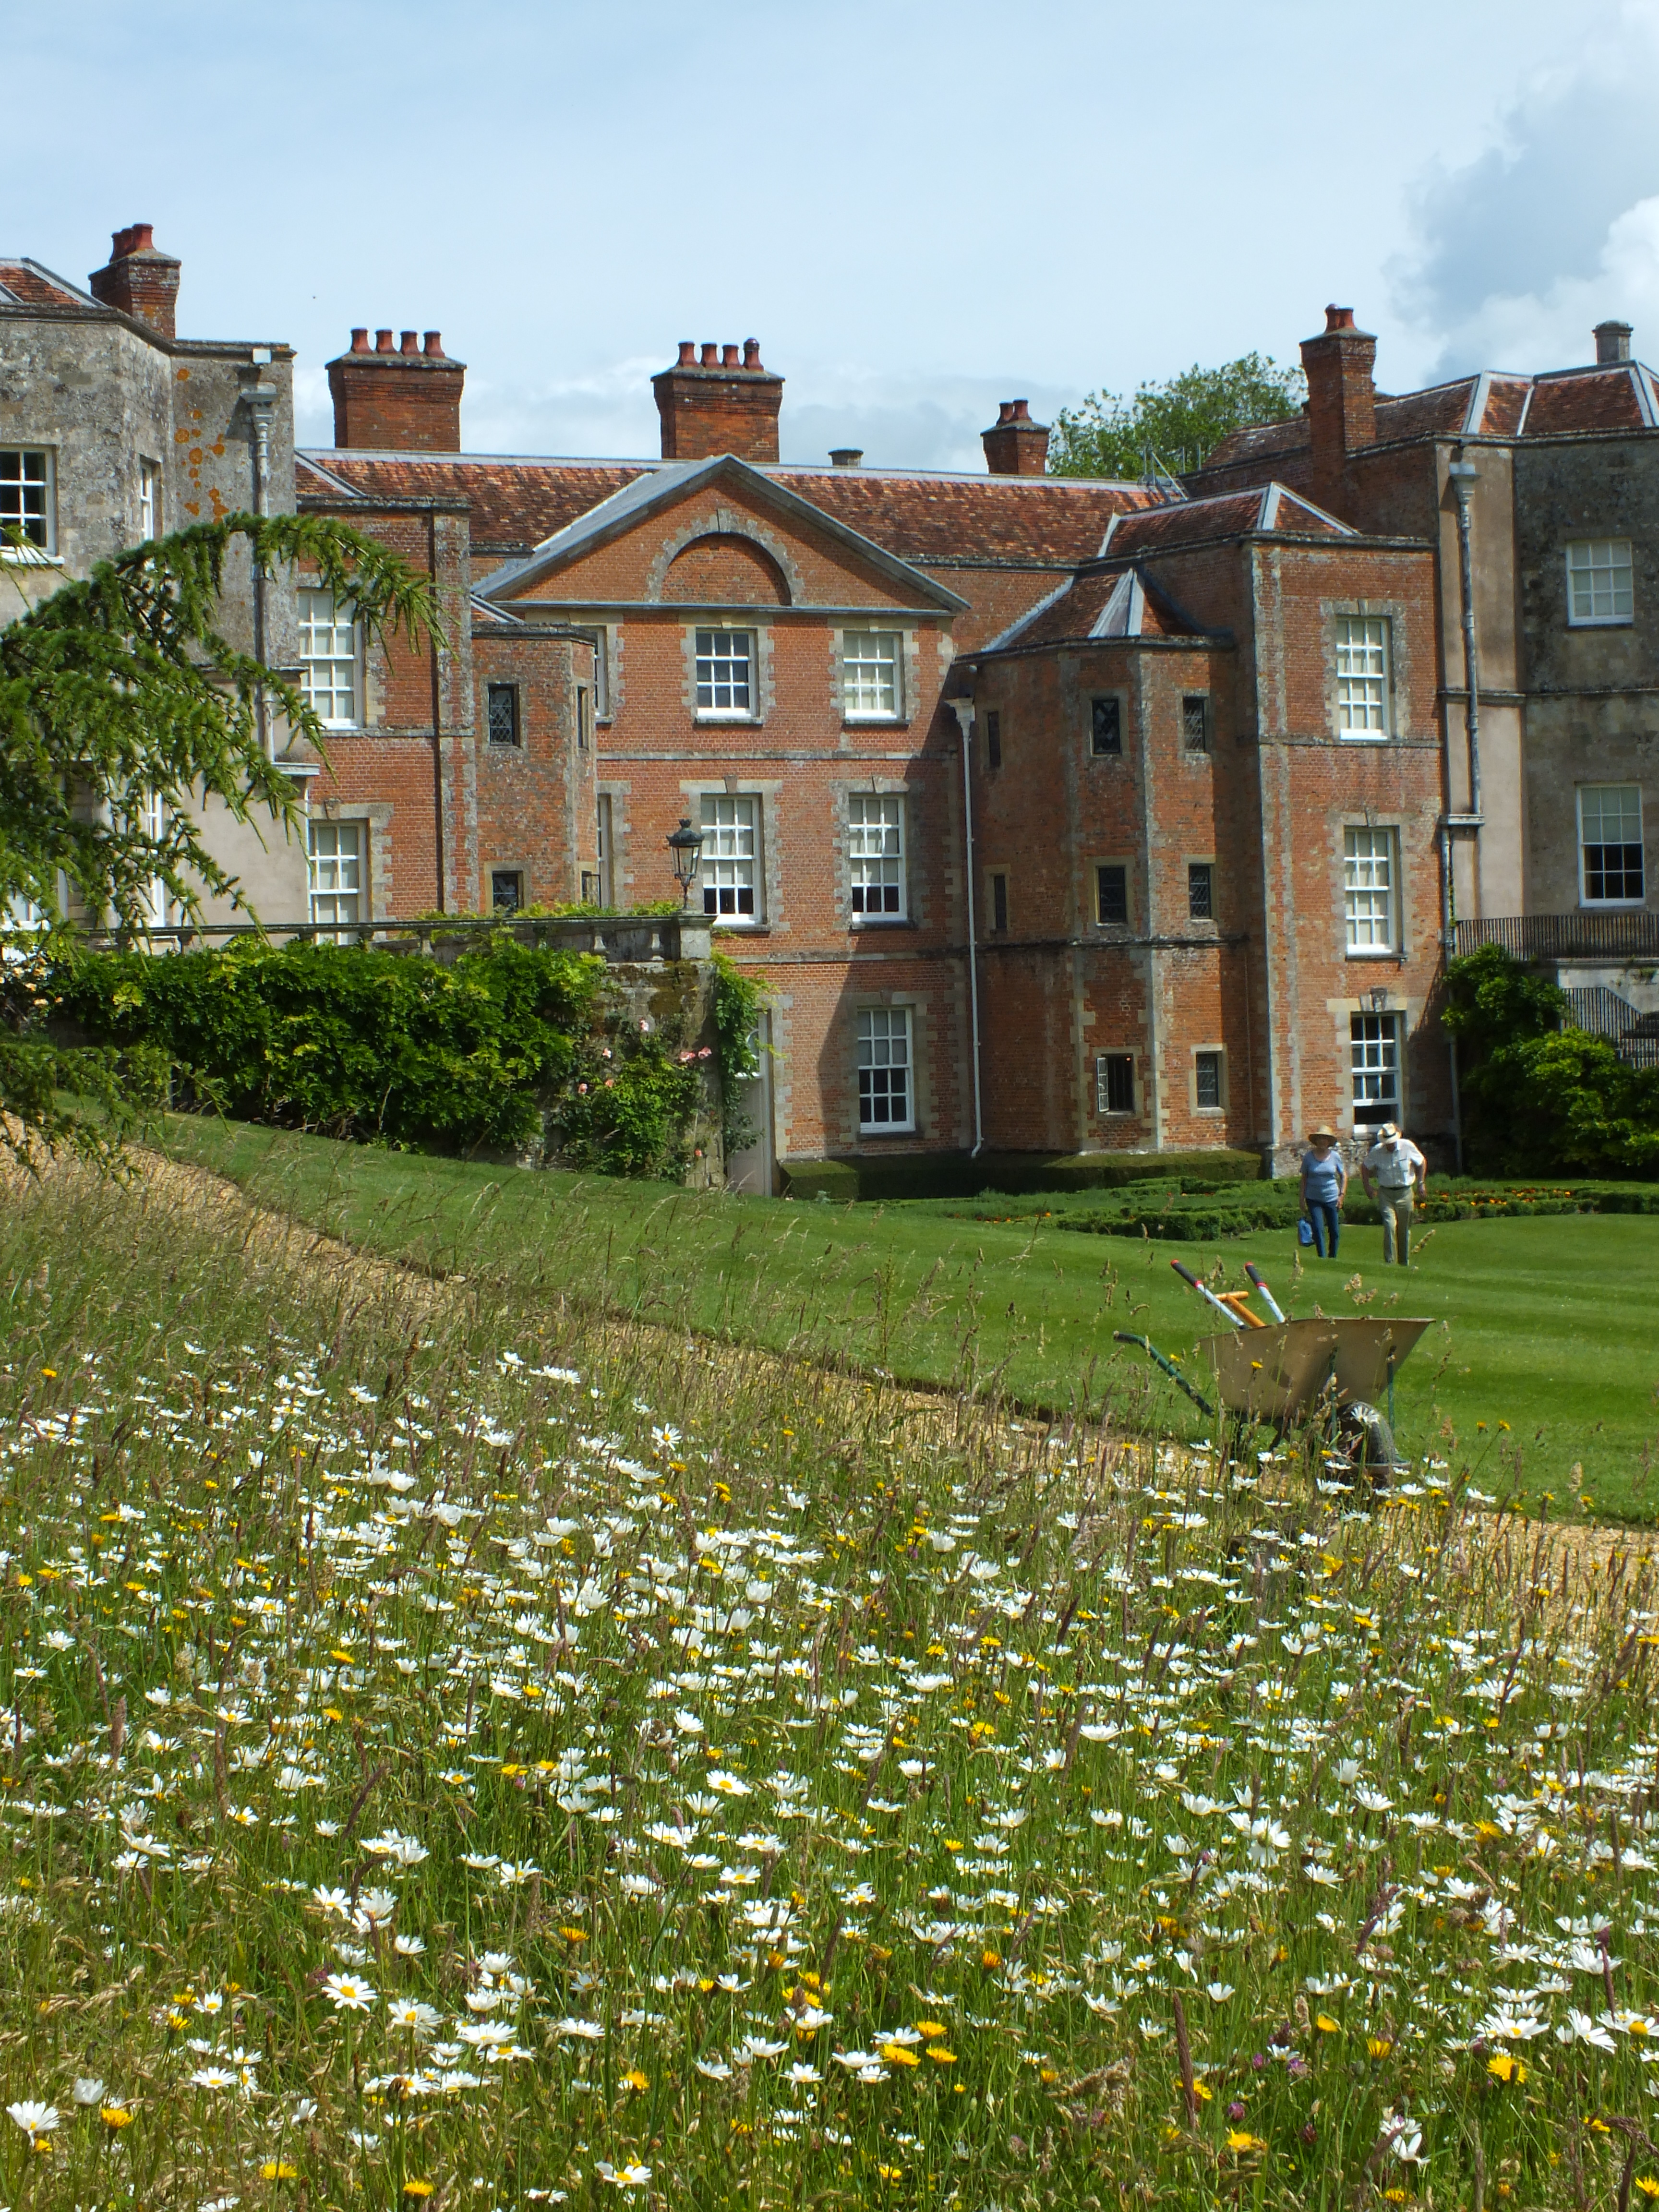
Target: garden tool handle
{"points": [[1204, 1292]]}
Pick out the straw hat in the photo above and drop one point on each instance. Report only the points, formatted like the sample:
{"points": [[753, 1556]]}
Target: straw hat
{"points": [[1387, 1132], [1322, 1131]]}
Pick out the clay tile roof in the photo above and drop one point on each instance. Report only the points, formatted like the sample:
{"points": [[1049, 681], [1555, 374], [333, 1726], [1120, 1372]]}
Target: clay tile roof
{"points": [[1103, 604], [1585, 399], [1506, 403], [30, 287], [928, 517], [1439, 411], [1260, 441], [515, 503], [1230, 515]]}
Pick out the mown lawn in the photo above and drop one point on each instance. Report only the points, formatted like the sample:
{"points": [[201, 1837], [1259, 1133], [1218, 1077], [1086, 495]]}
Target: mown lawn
{"points": [[1546, 1367]]}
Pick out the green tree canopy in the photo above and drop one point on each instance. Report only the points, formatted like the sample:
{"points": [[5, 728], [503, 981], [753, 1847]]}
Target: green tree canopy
{"points": [[1540, 1098], [124, 708], [1182, 421]]}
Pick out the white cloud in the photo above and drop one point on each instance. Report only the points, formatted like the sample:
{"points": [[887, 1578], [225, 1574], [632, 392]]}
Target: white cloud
{"points": [[1519, 252], [1550, 328]]}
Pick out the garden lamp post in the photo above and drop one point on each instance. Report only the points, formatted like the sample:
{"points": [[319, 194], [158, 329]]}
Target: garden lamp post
{"points": [[686, 845]]}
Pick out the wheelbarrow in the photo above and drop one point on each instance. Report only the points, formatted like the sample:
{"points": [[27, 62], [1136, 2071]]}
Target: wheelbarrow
{"points": [[1283, 1371]]}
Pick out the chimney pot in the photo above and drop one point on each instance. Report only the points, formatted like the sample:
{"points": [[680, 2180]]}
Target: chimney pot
{"points": [[1613, 342], [138, 280], [377, 410], [702, 415], [846, 457], [1014, 445], [1342, 402]]}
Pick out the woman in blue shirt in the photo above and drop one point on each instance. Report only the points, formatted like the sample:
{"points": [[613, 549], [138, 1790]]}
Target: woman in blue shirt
{"points": [[1324, 1182]]}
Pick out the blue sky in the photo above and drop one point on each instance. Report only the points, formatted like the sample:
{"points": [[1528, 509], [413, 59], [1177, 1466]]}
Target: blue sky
{"points": [[918, 208]]}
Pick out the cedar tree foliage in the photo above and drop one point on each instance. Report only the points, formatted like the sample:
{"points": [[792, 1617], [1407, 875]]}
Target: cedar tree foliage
{"points": [[120, 692]]}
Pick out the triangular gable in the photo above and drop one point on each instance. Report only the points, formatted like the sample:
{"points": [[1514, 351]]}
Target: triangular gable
{"points": [[668, 486]]}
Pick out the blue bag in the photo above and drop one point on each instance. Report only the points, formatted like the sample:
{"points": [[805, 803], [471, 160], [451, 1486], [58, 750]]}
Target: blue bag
{"points": [[1304, 1230]]}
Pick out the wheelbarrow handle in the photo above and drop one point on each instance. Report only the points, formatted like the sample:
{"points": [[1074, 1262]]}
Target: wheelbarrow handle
{"points": [[1122, 1336], [1204, 1292], [1267, 1297]]}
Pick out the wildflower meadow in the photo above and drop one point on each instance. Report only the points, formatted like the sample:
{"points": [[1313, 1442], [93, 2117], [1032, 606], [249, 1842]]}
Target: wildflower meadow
{"points": [[460, 1749]]}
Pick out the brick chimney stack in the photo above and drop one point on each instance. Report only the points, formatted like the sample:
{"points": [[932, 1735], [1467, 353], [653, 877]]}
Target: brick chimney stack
{"points": [[1612, 344], [721, 403], [1015, 446], [1341, 400], [401, 399], [138, 280]]}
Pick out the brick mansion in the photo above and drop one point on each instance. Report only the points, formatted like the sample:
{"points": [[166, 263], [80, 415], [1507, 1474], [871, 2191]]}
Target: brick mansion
{"points": [[1055, 815]]}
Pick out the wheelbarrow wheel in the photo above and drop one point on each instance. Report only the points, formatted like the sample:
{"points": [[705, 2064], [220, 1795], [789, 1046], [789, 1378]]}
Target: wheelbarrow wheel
{"points": [[1362, 1436]]}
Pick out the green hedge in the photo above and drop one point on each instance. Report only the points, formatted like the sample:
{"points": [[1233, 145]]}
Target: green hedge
{"points": [[507, 1047]]}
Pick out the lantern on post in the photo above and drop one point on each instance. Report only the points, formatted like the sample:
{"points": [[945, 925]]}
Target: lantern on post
{"points": [[685, 844]]}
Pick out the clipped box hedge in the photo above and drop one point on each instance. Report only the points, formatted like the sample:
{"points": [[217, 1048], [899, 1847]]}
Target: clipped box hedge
{"points": [[956, 1175]]}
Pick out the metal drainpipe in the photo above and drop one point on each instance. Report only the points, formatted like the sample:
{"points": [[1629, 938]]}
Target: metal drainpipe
{"points": [[964, 711], [1446, 949], [261, 399], [1462, 476]]}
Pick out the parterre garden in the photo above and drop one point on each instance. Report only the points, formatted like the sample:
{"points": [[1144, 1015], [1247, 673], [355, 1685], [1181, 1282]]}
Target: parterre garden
{"points": [[464, 1748]]}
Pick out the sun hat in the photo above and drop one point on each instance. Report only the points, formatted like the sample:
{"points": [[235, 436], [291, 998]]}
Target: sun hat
{"points": [[1322, 1131], [1385, 1132]]}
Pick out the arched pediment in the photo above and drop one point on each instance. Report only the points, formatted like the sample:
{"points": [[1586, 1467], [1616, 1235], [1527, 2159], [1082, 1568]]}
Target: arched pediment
{"points": [[722, 568]]}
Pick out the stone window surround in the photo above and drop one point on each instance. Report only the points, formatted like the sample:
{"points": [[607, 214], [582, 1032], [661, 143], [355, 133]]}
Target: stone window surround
{"points": [[1369, 818], [1221, 1051], [1202, 755], [1593, 621], [1212, 920], [842, 789], [375, 814], [1124, 697], [1137, 1112], [769, 840], [46, 555], [907, 673], [1608, 905], [1394, 613], [761, 685], [921, 1100], [622, 876], [1128, 862], [1407, 1012]]}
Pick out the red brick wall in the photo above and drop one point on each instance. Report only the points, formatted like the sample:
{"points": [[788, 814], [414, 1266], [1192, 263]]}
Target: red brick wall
{"points": [[1269, 983]]}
